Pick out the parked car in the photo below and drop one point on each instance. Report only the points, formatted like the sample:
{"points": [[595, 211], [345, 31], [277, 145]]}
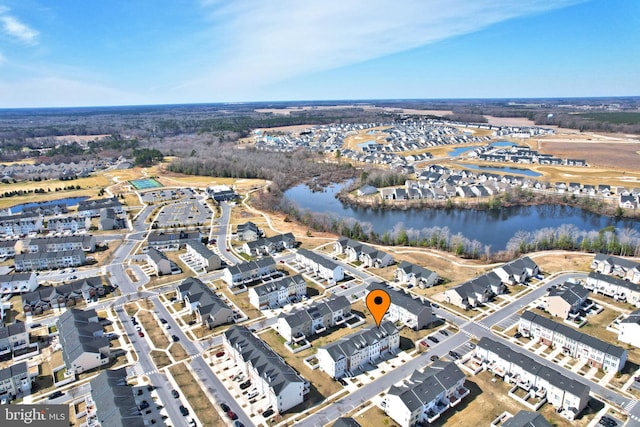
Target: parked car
{"points": [[175, 338], [238, 424], [232, 415], [433, 339], [220, 354], [225, 407], [267, 413], [144, 405], [245, 385], [184, 411], [454, 354], [192, 423], [342, 381], [175, 394], [141, 334], [252, 394], [607, 421], [434, 305], [35, 325], [470, 345], [163, 321], [191, 322], [424, 343], [55, 395], [434, 358], [444, 332]]}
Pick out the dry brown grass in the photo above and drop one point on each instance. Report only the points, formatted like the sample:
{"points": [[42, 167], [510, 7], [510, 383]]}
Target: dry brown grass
{"points": [[565, 261], [178, 352], [196, 397], [160, 358], [153, 330]]}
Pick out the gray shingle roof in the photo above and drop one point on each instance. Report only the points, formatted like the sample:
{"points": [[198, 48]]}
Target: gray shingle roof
{"points": [[318, 259], [77, 334], [268, 364], [301, 316], [211, 305], [527, 419], [570, 332], [349, 345], [402, 299], [572, 293], [114, 400]]}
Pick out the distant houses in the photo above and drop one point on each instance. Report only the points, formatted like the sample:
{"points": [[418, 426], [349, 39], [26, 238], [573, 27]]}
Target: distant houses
{"points": [[92, 208], [318, 264], [617, 266], [67, 295], [269, 245], [412, 274], [357, 251]]}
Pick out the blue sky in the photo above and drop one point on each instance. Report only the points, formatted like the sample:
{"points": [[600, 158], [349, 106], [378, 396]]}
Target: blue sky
{"points": [[121, 52]]}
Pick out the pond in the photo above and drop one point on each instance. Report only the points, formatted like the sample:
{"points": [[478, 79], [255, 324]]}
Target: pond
{"points": [[513, 171], [491, 227]]}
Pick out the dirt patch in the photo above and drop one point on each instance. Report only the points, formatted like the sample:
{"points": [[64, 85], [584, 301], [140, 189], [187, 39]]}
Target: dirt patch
{"points": [[611, 155], [555, 262]]}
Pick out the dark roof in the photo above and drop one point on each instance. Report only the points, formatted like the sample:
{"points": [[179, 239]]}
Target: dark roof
{"points": [[527, 419], [555, 378], [345, 422], [301, 316], [156, 255], [77, 334], [572, 293], [114, 400], [347, 346], [424, 387], [267, 363], [570, 332], [180, 237], [98, 204], [402, 299], [633, 317], [18, 369], [13, 329], [281, 283], [201, 249], [416, 270], [614, 281], [318, 259], [211, 305]]}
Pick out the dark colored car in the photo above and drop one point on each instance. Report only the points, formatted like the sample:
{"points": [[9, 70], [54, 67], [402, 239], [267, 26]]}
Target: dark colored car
{"points": [[55, 395], [163, 321], [454, 354], [444, 332], [267, 413], [184, 411], [232, 415], [343, 382], [175, 338], [433, 339], [245, 385], [175, 394], [220, 354], [225, 407], [144, 404], [434, 358]]}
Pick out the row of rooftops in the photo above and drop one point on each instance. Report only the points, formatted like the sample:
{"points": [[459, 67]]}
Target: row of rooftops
{"points": [[614, 281], [552, 376], [97, 204], [424, 387], [49, 293], [282, 283], [244, 267], [402, 299], [114, 400], [316, 311], [178, 237], [573, 334], [267, 363], [352, 344], [616, 261], [198, 292], [13, 329], [318, 259], [572, 293], [267, 241], [77, 331], [414, 269]]}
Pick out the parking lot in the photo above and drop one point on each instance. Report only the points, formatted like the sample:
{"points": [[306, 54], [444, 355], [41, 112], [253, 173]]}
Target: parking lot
{"points": [[158, 196], [190, 212]]}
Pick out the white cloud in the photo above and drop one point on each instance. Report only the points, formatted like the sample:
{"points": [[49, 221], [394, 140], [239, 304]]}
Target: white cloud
{"points": [[267, 42], [17, 29], [2, 59]]}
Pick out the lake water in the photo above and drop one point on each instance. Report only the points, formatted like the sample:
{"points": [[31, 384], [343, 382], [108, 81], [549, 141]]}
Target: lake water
{"points": [[491, 227], [69, 201], [461, 150]]}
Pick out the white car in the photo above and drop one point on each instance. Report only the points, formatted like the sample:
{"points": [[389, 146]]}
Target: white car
{"points": [[252, 394]]}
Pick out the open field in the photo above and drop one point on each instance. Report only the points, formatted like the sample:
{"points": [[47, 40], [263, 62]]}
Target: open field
{"points": [[553, 262], [352, 141], [612, 155]]}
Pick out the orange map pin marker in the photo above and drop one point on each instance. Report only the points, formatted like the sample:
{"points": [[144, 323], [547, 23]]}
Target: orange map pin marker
{"points": [[378, 302]]}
